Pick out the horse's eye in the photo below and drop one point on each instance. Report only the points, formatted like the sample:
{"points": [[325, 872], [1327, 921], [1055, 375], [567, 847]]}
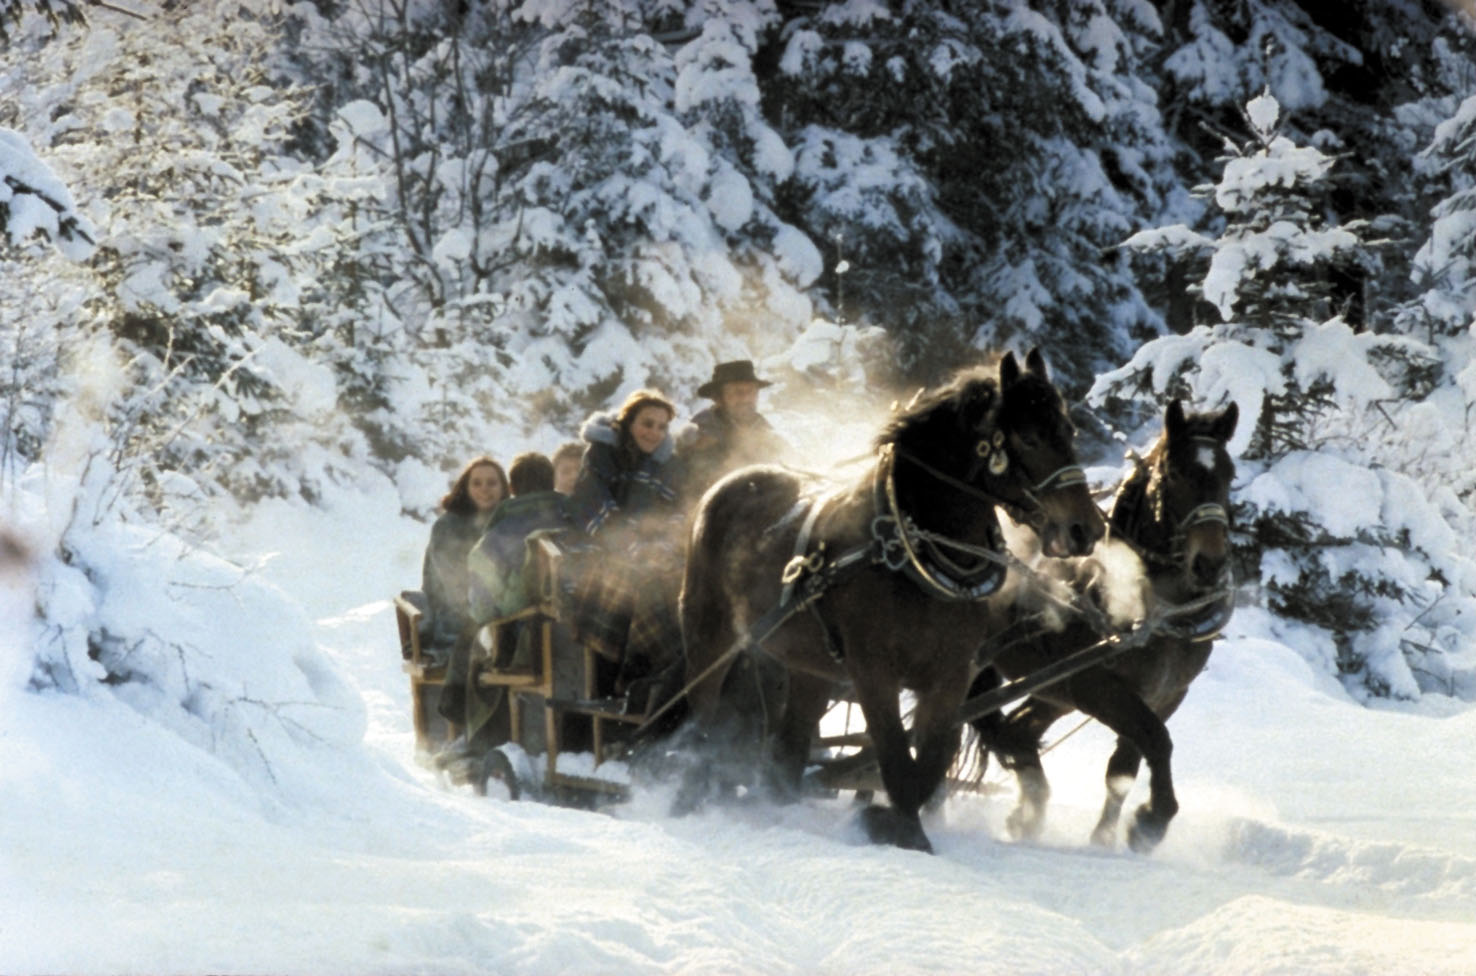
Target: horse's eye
{"points": [[1028, 440]]}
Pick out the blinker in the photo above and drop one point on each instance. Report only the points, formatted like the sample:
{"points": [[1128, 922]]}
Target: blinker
{"points": [[993, 451]]}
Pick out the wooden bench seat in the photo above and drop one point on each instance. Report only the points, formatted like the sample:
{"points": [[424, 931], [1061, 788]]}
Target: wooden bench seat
{"points": [[427, 677], [560, 679]]}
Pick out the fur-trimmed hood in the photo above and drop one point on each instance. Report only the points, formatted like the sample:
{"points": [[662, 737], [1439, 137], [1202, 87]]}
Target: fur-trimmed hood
{"points": [[600, 429]]}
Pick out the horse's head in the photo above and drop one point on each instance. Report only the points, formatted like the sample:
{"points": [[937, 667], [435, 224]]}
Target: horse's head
{"points": [[1005, 440], [1189, 475], [1030, 460]]}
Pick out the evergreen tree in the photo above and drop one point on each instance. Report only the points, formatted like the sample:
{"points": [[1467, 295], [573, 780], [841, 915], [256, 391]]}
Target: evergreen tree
{"points": [[585, 190], [205, 236], [56, 13], [976, 162], [1364, 80], [1445, 265], [1333, 539]]}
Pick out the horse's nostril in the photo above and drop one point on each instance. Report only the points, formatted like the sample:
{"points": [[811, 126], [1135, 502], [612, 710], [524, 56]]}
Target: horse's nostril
{"points": [[1080, 542]]}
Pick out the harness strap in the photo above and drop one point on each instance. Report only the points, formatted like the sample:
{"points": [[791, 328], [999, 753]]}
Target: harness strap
{"points": [[1203, 514], [1066, 476], [799, 562], [898, 541]]}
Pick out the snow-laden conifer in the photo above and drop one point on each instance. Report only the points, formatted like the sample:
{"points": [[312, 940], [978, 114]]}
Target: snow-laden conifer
{"points": [[1332, 538], [974, 164]]}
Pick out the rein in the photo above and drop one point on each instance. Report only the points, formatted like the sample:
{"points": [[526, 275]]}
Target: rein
{"points": [[895, 544]]}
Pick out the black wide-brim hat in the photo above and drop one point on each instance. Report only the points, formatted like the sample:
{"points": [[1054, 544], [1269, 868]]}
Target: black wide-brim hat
{"points": [[737, 371]]}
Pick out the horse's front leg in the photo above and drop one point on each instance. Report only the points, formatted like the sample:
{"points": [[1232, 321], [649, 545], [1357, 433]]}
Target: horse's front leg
{"points": [[935, 738], [1107, 698], [1122, 771], [898, 824]]}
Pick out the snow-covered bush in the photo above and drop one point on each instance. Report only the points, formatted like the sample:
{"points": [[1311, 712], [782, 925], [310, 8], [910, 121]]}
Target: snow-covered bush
{"points": [[1330, 537], [55, 12], [580, 208], [213, 242], [127, 609], [34, 203]]}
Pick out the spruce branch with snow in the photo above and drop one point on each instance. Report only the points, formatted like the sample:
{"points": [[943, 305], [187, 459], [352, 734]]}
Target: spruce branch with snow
{"points": [[978, 162], [1376, 567], [34, 203], [56, 13]]}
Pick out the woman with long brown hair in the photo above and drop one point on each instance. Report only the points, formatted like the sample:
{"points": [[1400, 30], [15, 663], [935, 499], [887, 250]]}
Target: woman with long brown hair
{"points": [[466, 509]]}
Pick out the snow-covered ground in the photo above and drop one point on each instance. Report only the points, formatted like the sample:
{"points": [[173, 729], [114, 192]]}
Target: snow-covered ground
{"points": [[1316, 836]]}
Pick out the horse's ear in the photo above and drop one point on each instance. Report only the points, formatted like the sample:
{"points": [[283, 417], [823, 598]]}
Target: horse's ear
{"points": [[1035, 362], [1224, 425], [1173, 419], [1009, 370]]}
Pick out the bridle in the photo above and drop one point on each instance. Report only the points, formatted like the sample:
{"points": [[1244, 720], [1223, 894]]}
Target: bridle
{"points": [[1204, 616], [992, 452]]}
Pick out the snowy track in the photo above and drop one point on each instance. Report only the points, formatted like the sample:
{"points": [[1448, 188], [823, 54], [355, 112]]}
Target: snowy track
{"points": [[174, 865], [1315, 836]]}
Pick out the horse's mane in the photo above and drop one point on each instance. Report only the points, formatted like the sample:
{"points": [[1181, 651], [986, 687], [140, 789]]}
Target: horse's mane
{"points": [[1130, 509], [974, 382]]}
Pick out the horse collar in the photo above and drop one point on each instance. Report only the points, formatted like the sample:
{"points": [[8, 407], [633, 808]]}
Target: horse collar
{"points": [[902, 546]]}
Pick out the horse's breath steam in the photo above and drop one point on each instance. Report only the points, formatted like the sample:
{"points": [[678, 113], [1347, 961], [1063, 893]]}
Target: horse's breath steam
{"points": [[1113, 573], [1123, 580]]}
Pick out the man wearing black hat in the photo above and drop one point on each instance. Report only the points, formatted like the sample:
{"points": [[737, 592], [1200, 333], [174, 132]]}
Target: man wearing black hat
{"points": [[729, 434]]}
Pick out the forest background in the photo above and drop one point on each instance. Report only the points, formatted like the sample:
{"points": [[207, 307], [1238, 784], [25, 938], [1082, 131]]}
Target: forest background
{"points": [[258, 249]]}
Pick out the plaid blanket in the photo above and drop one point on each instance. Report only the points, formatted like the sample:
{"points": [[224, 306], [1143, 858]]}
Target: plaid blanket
{"points": [[626, 608]]}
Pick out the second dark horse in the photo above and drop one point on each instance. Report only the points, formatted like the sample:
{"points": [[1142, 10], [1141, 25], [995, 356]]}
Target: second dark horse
{"points": [[909, 559], [1172, 511]]}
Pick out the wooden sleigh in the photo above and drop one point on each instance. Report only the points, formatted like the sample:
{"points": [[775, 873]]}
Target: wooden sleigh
{"points": [[549, 693]]}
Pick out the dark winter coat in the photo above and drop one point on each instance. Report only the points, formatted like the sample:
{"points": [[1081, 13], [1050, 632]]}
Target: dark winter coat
{"points": [[444, 577], [495, 566], [714, 445], [625, 588], [622, 494]]}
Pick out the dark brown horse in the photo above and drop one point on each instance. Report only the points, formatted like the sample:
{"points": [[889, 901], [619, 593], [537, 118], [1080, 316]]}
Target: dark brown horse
{"points": [[889, 582], [1171, 510]]}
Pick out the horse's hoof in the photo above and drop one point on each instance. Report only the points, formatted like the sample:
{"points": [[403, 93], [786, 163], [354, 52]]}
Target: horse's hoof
{"points": [[884, 825], [693, 793], [1023, 824], [1105, 836], [1146, 832]]}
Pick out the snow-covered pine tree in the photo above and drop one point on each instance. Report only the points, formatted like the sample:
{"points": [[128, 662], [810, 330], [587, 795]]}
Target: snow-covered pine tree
{"points": [[35, 204], [1445, 266], [206, 227], [37, 308], [583, 195], [620, 270], [56, 13], [977, 161], [1364, 80], [1333, 540], [412, 121], [717, 97]]}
